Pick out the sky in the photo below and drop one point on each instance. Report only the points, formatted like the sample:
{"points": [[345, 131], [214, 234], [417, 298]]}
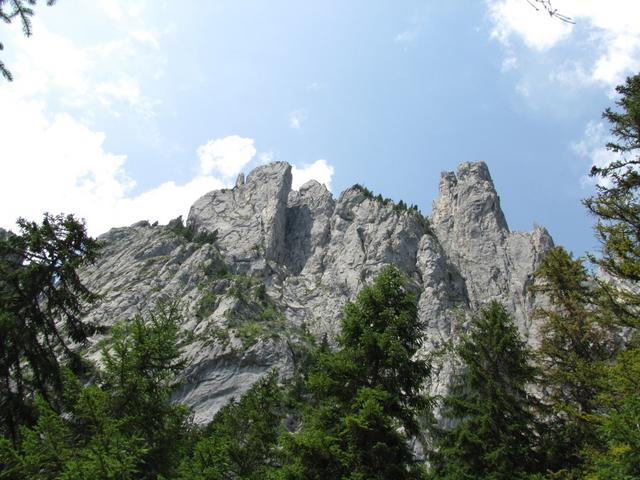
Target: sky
{"points": [[124, 110]]}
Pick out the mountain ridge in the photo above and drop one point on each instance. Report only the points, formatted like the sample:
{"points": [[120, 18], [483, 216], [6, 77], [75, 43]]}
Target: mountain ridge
{"points": [[285, 262]]}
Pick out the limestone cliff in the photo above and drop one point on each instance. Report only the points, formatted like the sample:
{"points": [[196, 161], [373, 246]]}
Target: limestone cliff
{"points": [[260, 267]]}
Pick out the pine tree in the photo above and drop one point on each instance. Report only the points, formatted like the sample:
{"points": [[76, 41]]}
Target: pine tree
{"points": [[493, 433], [42, 300], [365, 398]]}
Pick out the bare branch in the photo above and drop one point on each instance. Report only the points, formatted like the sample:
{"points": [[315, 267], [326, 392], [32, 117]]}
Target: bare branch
{"points": [[548, 7]]}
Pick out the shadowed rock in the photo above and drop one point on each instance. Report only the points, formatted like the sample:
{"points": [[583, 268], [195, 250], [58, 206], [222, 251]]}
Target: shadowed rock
{"points": [[287, 261]]}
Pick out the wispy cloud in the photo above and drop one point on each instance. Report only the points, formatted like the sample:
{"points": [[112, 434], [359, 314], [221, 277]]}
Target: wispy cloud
{"points": [[509, 63], [411, 32], [407, 36], [555, 59], [314, 86], [296, 118], [610, 35], [592, 146], [105, 75]]}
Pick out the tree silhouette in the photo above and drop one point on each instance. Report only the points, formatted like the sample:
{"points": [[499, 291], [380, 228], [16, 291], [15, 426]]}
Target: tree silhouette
{"points": [[21, 9]]}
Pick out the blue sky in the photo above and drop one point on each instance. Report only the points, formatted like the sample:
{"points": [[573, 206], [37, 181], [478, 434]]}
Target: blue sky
{"points": [[124, 110]]}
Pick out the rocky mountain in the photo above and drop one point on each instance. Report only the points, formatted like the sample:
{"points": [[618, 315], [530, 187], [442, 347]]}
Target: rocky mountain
{"points": [[259, 269]]}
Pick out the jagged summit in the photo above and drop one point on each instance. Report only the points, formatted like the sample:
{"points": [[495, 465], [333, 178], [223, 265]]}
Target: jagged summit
{"points": [[249, 219], [471, 194], [285, 262]]}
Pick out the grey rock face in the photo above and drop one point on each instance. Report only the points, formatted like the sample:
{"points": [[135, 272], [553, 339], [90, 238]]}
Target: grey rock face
{"points": [[143, 265], [309, 211], [360, 237], [250, 219], [286, 262], [495, 263]]}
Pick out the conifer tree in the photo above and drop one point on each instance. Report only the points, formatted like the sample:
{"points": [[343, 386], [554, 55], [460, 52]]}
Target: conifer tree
{"points": [[575, 345], [616, 206], [241, 442], [41, 304], [365, 398], [618, 458], [22, 9], [492, 416], [140, 367], [123, 425]]}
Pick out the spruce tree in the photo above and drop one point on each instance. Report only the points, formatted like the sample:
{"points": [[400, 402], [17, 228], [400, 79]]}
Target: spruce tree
{"points": [[575, 345], [617, 209], [123, 425], [618, 455], [241, 442], [42, 300], [492, 432], [23, 10], [365, 398], [140, 368]]}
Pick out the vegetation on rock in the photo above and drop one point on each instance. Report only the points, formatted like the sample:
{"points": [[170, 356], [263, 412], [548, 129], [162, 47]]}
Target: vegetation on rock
{"points": [[354, 410]]}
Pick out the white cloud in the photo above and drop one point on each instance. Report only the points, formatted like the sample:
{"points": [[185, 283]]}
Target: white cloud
{"points": [[52, 161], [517, 17], [407, 36], [296, 118], [611, 31], [319, 170], [226, 156], [267, 157], [593, 147], [59, 165], [523, 90], [412, 30], [103, 75], [509, 63], [164, 202]]}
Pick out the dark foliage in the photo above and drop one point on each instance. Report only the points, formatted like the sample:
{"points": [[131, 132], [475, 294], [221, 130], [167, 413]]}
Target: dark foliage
{"points": [[494, 432], [364, 399], [41, 308], [617, 208]]}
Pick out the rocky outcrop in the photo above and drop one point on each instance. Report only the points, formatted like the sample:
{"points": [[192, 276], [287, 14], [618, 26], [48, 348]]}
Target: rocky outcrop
{"points": [[260, 267], [249, 220], [496, 264], [308, 218]]}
